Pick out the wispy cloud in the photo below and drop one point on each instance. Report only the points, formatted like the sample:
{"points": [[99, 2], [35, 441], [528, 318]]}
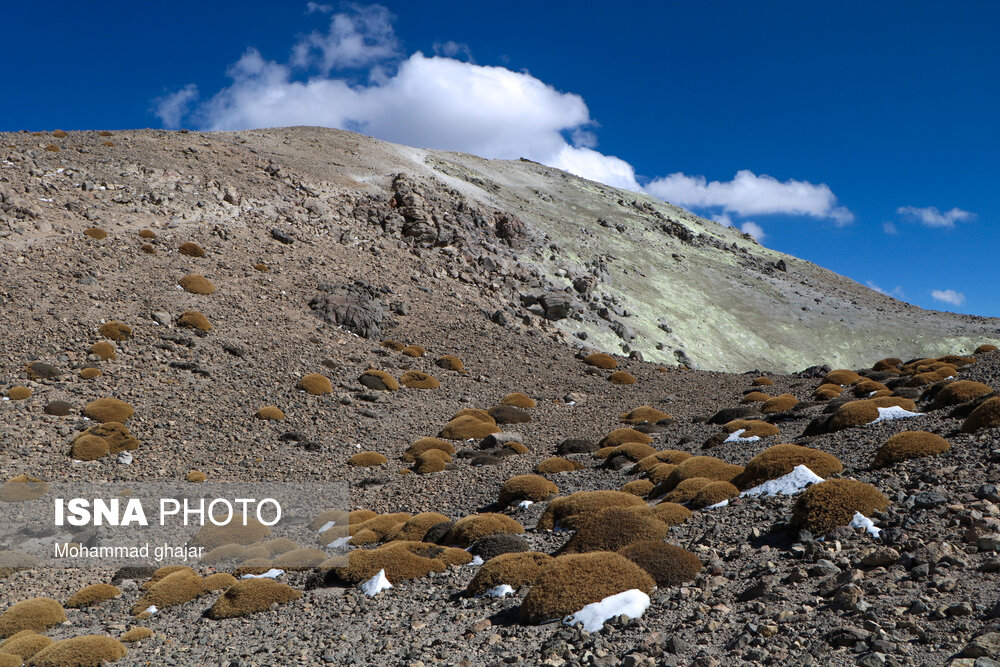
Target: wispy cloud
{"points": [[752, 194], [896, 292], [889, 227], [455, 50], [173, 107], [356, 39], [948, 296], [932, 217], [753, 229]]}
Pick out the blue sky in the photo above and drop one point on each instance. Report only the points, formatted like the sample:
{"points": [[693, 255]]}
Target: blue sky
{"points": [[863, 137]]}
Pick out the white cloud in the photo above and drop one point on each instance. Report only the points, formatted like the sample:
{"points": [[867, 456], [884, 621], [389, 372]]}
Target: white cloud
{"points": [[173, 107], [889, 227], [896, 292], [750, 194], [753, 229], [315, 7], [356, 39], [948, 296], [932, 217], [455, 50]]}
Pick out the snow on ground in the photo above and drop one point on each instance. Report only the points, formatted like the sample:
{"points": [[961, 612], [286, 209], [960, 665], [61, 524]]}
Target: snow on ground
{"points": [[786, 485], [717, 505], [339, 543], [375, 585], [894, 412], [735, 437], [273, 573], [861, 521], [525, 503], [477, 561], [632, 603], [326, 526], [501, 591]]}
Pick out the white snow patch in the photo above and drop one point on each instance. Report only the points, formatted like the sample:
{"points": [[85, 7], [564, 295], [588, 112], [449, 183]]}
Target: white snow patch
{"points": [[273, 573], [526, 503], [339, 543], [501, 591], [894, 412], [152, 609], [478, 560], [861, 521], [632, 603], [326, 526], [735, 437], [376, 585], [717, 505], [786, 485]]}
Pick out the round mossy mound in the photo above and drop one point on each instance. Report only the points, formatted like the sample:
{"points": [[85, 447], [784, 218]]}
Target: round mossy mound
{"points": [[105, 350], [39, 370], [418, 380], [174, 589], [108, 410], [508, 414], [450, 363], [115, 330], [858, 413], [270, 413], [661, 472], [672, 514], [511, 569], [117, 435], [315, 384], [779, 460], [571, 582], [38, 614], [986, 415], [413, 351], [240, 530], [958, 392], [95, 233], [91, 595], [423, 444], [23, 488], [751, 428], [633, 451], [644, 414], [576, 446], [755, 397], [90, 373], [666, 564], [481, 415], [82, 651], [299, 559], [516, 447], [494, 545], [684, 492], [219, 581], [864, 388], [58, 408], [197, 284], [762, 381], [401, 561], [147, 234], [526, 487], [666, 456], [518, 400], [18, 393], [983, 349], [620, 436], [779, 404], [191, 249], [196, 477], [192, 319], [430, 462], [378, 380], [380, 524], [367, 460], [466, 427], [251, 596], [601, 360], [827, 505], [841, 376], [569, 512], [888, 364], [713, 493], [621, 377], [393, 345], [415, 528], [89, 448], [638, 487], [909, 445], [261, 266], [470, 528], [612, 528], [137, 634], [708, 467], [557, 464], [827, 391], [23, 645]]}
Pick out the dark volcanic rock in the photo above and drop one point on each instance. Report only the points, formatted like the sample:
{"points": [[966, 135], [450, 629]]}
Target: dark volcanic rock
{"points": [[354, 306]]}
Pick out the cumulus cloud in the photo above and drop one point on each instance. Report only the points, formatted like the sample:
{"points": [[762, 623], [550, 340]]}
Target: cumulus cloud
{"points": [[750, 194], [949, 296], [930, 216], [434, 102], [753, 229], [173, 107]]}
